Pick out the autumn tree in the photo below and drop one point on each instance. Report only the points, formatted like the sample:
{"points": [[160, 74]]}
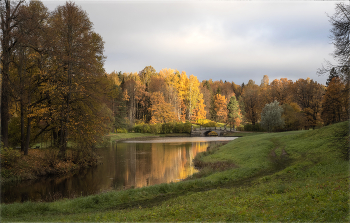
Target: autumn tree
{"points": [[9, 13], [265, 91], [251, 101], [280, 90], [26, 66], [219, 108], [193, 96], [146, 74], [271, 116], [293, 117], [78, 65], [308, 95], [162, 112], [172, 79], [199, 112], [334, 103], [205, 89]]}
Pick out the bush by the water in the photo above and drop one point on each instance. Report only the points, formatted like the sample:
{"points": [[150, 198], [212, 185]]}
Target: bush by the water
{"points": [[9, 156], [171, 127], [122, 130], [253, 128]]}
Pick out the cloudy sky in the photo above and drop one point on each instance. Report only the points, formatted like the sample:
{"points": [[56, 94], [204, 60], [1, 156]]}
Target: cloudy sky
{"points": [[219, 40]]}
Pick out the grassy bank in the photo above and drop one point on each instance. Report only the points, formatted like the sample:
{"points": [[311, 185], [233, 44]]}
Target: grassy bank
{"points": [[289, 176]]}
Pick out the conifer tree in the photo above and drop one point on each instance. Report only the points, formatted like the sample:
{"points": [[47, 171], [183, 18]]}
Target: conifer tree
{"points": [[234, 116]]}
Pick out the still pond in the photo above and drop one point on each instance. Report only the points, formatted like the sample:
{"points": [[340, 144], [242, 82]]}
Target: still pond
{"points": [[126, 164]]}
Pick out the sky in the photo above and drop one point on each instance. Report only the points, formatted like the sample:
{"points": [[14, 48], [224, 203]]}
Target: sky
{"points": [[219, 40]]}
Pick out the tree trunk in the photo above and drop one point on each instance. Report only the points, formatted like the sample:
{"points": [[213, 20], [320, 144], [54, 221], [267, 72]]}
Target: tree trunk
{"points": [[26, 147], [4, 104]]}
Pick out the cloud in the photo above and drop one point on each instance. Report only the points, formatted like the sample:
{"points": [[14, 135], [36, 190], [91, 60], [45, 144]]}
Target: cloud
{"points": [[226, 40]]}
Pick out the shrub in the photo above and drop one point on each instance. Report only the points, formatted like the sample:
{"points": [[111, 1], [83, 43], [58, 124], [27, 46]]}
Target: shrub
{"points": [[156, 128], [211, 124], [9, 156], [170, 127], [253, 128], [207, 123], [122, 130]]}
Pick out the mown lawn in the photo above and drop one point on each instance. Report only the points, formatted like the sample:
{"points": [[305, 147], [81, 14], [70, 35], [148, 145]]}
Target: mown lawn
{"points": [[290, 176]]}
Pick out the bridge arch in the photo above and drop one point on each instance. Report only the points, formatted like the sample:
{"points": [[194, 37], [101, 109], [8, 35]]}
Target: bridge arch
{"points": [[207, 132]]}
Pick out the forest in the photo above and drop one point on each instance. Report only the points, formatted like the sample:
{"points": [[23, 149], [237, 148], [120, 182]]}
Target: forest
{"points": [[54, 88]]}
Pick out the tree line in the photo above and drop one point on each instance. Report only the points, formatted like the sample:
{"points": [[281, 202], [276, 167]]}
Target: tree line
{"points": [[170, 96]]}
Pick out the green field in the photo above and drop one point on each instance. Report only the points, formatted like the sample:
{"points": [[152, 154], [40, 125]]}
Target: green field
{"points": [[289, 176]]}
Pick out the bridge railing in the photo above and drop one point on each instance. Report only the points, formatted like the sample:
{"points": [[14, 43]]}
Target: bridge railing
{"points": [[213, 128]]}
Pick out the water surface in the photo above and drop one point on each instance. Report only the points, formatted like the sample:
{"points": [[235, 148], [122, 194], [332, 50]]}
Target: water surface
{"points": [[126, 164]]}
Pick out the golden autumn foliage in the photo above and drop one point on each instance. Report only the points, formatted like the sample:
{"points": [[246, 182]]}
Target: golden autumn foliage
{"points": [[220, 108], [162, 112], [335, 102]]}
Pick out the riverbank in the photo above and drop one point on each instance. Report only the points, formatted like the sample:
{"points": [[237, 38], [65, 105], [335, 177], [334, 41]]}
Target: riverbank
{"points": [[289, 176], [40, 163]]}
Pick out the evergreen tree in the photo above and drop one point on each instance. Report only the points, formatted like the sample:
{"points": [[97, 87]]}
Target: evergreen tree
{"points": [[332, 74], [234, 115]]}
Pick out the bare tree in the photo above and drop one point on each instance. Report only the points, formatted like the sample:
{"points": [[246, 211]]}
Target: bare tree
{"points": [[340, 35]]}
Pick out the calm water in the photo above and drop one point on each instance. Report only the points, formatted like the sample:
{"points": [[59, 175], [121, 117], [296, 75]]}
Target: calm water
{"points": [[127, 164]]}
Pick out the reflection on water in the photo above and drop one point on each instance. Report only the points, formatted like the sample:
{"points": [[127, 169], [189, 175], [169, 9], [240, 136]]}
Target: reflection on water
{"points": [[125, 165]]}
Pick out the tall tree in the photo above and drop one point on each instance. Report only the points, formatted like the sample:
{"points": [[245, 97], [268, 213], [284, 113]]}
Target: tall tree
{"points": [[340, 36], [251, 99], [78, 55], [234, 117], [162, 112], [30, 51], [334, 103], [193, 95], [308, 95], [9, 13], [219, 108], [199, 112]]}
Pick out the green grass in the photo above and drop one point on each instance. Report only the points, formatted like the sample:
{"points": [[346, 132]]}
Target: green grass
{"points": [[289, 176], [242, 134]]}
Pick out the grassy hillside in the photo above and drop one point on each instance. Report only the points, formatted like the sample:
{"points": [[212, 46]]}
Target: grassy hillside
{"points": [[290, 176]]}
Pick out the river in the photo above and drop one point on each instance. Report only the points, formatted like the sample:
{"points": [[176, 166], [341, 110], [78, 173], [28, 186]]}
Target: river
{"points": [[126, 164]]}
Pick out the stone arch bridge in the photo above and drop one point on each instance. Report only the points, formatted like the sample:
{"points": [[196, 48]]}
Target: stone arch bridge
{"points": [[203, 131]]}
